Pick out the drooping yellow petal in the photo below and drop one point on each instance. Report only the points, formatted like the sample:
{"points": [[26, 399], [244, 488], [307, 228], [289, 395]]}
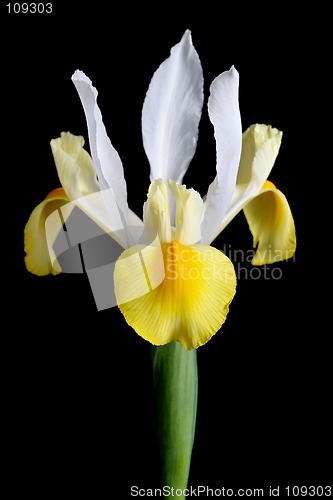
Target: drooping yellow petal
{"points": [[272, 226], [189, 305], [75, 167], [37, 258]]}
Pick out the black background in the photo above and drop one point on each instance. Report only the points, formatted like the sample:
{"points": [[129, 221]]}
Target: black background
{"points": [[77, 383]]}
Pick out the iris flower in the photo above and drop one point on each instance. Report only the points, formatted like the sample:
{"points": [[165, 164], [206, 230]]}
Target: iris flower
{"points": [[180, 287]]}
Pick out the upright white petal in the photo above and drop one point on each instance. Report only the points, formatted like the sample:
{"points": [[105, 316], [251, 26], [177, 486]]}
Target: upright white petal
{"points": [[106, 159], [224, 114], [171, 112]]}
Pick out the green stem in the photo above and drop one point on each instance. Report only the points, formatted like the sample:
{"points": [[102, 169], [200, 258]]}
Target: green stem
{"points": [[176, 385]]}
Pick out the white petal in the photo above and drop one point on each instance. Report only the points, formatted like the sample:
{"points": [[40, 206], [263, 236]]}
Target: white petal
{"points": [[103, 210], [133, 219], [261, 144], [106, 159], [171, 112], [224, 113], [98, 207]]}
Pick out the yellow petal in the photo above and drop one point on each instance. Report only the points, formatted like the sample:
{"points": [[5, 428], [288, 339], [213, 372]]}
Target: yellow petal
{"points": [[260, 147], [37, 258], [139, 270], [189, 209], [75, 167], [189, 305], [272, 225], [156, 210]]}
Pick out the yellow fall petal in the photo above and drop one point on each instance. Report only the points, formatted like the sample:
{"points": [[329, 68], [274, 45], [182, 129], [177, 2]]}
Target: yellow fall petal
{"points": [[272, 225], [37, 259], [189, 305], [139, 270]]}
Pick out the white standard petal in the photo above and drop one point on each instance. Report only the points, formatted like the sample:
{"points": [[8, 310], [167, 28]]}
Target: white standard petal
{"points": [[106, 159], [223, 108], [171, 112]]}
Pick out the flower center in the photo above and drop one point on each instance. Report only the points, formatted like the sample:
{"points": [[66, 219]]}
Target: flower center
{"points": [[174, 291], [181, 266], [189, 209]]}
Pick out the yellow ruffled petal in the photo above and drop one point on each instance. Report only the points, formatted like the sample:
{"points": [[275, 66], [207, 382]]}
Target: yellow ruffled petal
{"points": [[156, 210], [75, 167], [189, 305], [272, 226], [260, 147], [37, 258], [189, 209]]}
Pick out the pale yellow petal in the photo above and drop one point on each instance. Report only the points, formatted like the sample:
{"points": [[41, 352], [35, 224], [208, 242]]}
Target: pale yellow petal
{"points": [[272, 226], [260, 147], [156, 210], [138, 270], [37, 258], [189, 305], [262, 140], [189, 210], [75, 167]]}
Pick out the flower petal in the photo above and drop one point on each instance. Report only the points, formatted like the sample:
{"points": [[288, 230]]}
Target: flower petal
{"points": [[78, 177], [260, 147], [80, 229], [37, 258], [272, 225], [106, 159], [138, 270], [189, 305], [189, 208], [156, 210], [171, 112], [74, 166], [224, 113]]}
